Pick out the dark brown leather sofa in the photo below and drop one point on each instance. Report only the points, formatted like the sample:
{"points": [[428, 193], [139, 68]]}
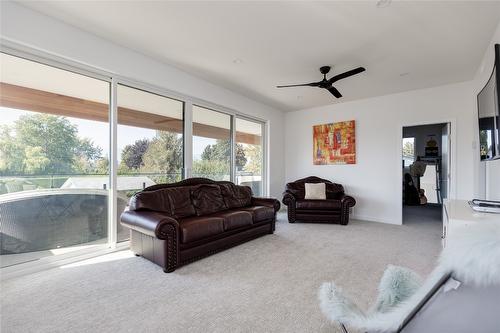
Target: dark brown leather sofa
{"points": [[174, 224], [335, 209]]}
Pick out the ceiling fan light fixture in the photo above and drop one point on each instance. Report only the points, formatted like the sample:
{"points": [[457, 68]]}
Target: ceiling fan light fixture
{"points": [[327, 83]]}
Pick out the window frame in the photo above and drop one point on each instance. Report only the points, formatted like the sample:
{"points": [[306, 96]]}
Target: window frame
{"points": [[55, 261], [263, 125]]}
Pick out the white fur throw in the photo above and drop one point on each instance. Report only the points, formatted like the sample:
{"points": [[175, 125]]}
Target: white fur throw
{"points": [[315, 191], [397, 285], [473, 257]]}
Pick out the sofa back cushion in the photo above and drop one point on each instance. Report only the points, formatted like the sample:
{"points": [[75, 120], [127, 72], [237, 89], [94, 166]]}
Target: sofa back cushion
{"points": [[151, 200], [190, 197], [207, 199], [297, 189], [173, 201], [236, 196], [334, 191], [180, 202]]}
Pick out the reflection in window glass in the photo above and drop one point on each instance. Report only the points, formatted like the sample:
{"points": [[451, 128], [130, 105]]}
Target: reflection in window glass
{"points": [[408, 151], [54, 160], [150, 143], [211, 144], [249, 158], [486, 144]]}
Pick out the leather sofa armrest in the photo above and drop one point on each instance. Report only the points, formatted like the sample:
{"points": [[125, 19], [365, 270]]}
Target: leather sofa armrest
{"points": [[269, 202], [150, 223], [348, 201], [289, 199]]}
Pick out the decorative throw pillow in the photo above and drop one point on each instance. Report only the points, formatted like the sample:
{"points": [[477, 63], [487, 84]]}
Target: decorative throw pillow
{"points": [[315, 191]]}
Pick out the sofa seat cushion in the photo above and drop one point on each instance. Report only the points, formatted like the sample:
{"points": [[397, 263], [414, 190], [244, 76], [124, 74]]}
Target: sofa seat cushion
{"points": [[313, 216], [207, 199], [318, 204], [234, 219], [260, 213], [196, 228]]}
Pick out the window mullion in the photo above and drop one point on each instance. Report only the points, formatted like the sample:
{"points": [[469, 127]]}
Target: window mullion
{"points": [[113, 167], [233, 149], [188, 140]]}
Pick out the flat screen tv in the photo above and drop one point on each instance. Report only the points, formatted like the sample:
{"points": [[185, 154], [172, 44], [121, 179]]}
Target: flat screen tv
{"points": [[488, 101]]}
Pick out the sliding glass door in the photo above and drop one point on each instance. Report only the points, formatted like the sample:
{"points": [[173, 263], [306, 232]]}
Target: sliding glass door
{"points": [[249, 143], [149, 142], [54, 158]]}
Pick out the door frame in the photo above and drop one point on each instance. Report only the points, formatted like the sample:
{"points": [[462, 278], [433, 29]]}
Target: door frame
{"points": [[451, 150]]}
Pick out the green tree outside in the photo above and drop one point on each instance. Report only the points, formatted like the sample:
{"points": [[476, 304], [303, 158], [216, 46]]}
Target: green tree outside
{"points": [[221, 151], [254, 163], [45, 144], [132, 155], [42, 144], [408, 149], [164, 155]]}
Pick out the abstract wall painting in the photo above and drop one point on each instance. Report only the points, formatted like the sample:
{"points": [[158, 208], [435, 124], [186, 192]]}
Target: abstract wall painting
{"points": [[334, 143]]}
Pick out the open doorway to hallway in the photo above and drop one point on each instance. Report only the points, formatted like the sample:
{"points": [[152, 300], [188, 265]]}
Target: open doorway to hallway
{"points": [[426, 164]]}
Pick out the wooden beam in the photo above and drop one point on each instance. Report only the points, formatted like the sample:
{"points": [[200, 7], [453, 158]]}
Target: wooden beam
{"points": [[22, 98]]}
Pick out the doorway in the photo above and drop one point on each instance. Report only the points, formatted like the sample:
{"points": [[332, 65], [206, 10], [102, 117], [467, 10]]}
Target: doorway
{"points": [[426, 169]]}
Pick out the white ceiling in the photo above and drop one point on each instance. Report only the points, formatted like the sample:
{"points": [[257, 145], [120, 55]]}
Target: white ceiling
{"points": [[250, 47]]}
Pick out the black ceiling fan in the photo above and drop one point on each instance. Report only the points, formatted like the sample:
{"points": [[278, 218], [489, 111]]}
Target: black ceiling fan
{"points": [[327, 83]]}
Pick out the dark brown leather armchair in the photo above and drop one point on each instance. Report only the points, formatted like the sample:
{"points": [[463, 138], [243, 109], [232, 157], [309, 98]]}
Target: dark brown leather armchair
{"points": [[335, 209]]}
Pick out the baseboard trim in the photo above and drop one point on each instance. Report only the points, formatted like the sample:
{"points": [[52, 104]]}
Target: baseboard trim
{"points": [[360, 217], [368, 218]]}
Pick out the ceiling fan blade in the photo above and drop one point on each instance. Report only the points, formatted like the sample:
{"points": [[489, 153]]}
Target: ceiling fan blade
{"points": [[346, 74], [335, 92], [312, 84]]}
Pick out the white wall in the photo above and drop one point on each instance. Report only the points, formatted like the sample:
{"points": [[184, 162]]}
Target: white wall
{"points": [[375, 180], [487, 174], [30, 28]]}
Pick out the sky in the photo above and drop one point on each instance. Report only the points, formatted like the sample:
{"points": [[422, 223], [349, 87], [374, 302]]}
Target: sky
{"points": [[98, 132]]}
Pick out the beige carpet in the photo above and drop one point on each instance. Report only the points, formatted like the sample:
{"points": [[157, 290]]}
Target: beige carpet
{"points": [[266, 285]]}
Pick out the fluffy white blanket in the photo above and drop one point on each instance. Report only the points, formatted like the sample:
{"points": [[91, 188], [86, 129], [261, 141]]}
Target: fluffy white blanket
{"points": [[473, 257]]}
